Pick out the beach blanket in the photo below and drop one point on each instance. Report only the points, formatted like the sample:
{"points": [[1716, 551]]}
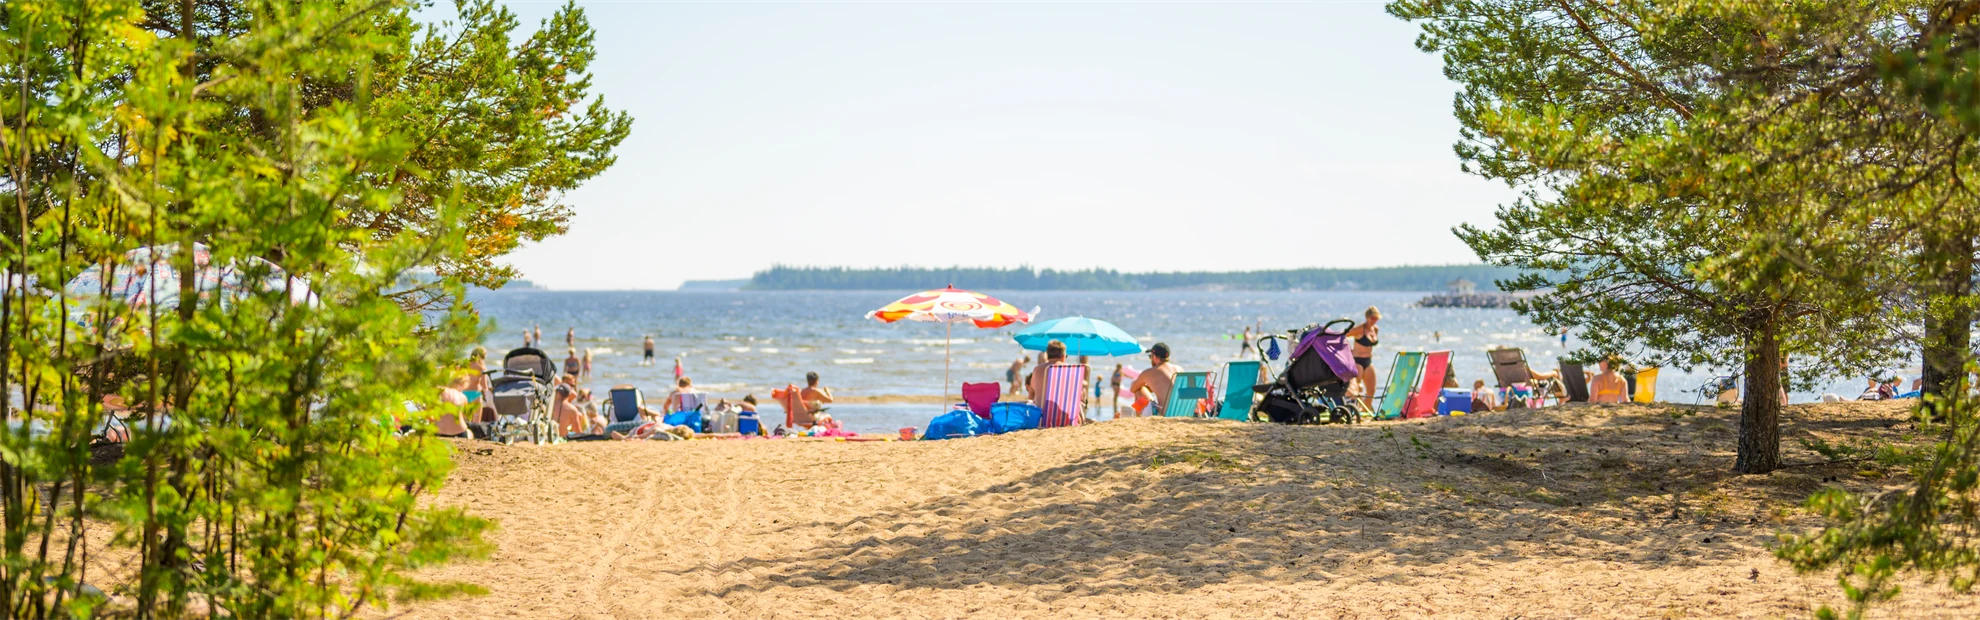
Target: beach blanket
{"points": [[1007, 417]]}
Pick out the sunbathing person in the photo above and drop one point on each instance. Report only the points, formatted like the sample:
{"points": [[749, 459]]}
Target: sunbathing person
{"points": [[1608, 386], [814, 397], [683, 393], [1151, 389]]}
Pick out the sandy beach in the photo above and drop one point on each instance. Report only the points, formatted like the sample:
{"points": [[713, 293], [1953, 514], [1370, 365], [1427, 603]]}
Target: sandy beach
{"points": [[1614, 511]]}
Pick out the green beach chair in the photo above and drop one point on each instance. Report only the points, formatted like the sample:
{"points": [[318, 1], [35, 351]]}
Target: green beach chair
{"points": [[1239, 378], [1191, 388], [1403, 379]]}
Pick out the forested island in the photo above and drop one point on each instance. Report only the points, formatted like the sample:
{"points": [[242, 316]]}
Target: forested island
{"points": [[1413, 278]]}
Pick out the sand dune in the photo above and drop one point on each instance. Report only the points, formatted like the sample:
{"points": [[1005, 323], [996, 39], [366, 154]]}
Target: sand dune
{"points": [[1586, 512]]}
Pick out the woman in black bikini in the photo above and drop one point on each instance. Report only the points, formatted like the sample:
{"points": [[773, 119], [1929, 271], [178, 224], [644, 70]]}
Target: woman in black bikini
{"points": [[1366, 336]]}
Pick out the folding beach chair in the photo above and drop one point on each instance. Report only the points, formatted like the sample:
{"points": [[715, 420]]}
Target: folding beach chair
{"points": [[1510, 368], [1065, 387], [1575, 380], [794, 414], [628, 408], [1239, 379], [1646, 385], [1190, 388], [1422, 401], [979, 397], [1405, 376]]}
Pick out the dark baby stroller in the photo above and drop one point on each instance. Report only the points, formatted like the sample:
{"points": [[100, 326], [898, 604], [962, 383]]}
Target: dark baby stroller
{"points": [[1313, 387], [522, 397]]}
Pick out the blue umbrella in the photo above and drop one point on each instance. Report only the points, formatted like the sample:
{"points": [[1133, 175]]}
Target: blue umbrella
{"points": [[1083, 336]]}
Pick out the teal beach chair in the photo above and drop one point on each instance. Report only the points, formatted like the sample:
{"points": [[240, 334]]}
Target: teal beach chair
{"points": [[1190, 389], [1403, 379], [1239, 378]]}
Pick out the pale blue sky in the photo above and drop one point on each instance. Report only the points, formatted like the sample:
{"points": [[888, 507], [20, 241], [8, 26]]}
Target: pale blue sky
{"points": [[1132, 136]]}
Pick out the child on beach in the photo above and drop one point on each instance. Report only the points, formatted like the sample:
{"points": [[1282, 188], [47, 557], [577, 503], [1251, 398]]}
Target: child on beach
{"points": [[1011, 375], [586, 375], [1114, 389], [1483, 398]]}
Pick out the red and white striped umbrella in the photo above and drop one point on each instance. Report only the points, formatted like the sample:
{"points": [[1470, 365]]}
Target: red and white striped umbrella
{"points": [[950, 306]]}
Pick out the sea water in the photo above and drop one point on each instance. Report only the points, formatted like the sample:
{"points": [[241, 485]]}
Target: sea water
{"points": [[737, 343]]}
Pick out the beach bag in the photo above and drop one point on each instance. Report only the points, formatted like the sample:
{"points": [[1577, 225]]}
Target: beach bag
{"points": [[690, 419], [1007, 417], [958, 423]]}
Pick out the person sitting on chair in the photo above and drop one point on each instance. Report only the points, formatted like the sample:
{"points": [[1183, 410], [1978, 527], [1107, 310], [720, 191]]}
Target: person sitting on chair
{"points": [[1155, 383], [683, 390], [1608, 386]]}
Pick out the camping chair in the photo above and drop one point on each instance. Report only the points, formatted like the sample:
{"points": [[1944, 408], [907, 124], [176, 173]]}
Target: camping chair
{"points": [[1190, 388], [1509, 367], [1065, 395], [794, 413], [1646, 386], [1575, 380], [628, 406], [1404, 378], [1422, 401], [1239, 378], [979, 397]]}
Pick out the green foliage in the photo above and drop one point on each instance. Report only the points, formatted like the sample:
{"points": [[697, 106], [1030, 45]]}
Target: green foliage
{"points": [[1428, 278], [1929, 527], [318, 158]]}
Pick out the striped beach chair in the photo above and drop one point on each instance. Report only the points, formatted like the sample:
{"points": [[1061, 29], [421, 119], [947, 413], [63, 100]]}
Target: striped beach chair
{"points": [[1190, 389], [1065, 389]]}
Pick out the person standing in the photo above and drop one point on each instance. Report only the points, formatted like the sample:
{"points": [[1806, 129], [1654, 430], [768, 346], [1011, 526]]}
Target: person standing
{"points": [[587, 365], [570, 337], [1114, 391], [572, 364], [1151, 389], [526, 342], [1366, 336], [538, 339], [1011, 375], [1244, 342], [648, 360]]}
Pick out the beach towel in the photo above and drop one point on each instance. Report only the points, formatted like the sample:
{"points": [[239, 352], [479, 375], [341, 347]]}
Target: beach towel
{"points": [[1646, 385], [1404, 378], [1189, 390], [1239, 378], [1422, 402], [979, 396], [1062, 404]]}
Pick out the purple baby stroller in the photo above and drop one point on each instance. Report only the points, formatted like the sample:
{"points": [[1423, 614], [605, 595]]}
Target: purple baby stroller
{"points": [[1315, 381]]}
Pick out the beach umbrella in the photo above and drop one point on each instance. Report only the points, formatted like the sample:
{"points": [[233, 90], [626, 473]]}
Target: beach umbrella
{"points": [[1082, 336], [950, 306]]}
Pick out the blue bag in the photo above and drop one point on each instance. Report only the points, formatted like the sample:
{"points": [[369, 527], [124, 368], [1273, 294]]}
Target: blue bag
{"points": [[1007, 417], [690, 419], [958, 423]]}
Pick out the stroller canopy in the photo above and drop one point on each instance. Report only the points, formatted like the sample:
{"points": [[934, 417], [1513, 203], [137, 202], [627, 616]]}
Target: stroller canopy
{"points": [[529, 361]]}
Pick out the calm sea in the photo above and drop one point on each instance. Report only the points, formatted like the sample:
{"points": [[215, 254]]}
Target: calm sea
{"points": [[736, 343]]}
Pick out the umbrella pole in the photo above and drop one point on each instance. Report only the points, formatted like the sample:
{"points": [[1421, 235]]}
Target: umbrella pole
{"points": [[948, 332]]}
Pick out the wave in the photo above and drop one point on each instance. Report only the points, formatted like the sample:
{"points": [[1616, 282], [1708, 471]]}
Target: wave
{"points": [[739, 349], [853, 360]]}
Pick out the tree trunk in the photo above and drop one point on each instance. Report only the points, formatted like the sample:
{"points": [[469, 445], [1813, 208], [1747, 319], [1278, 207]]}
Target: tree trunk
{"points": [[1948, 310], [1760, 412]]}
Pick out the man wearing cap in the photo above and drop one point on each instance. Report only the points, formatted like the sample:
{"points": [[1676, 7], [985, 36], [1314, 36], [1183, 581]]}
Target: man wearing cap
{"points": [[1154, 384]]}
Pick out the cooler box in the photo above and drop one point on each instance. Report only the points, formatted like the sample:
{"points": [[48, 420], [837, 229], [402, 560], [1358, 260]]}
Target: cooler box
{"points": [[746, 423], [1453, 400]]}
